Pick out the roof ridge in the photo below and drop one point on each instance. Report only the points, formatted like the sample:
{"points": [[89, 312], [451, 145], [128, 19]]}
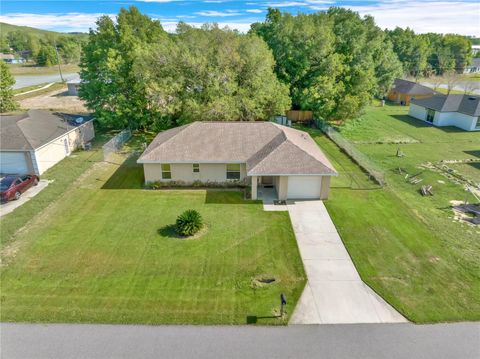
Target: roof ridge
{"points": [[21, 131]]}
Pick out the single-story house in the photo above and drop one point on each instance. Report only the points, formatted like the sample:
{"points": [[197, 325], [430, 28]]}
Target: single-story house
{"points": [[34, 141], [404, 91], [474, 67], [11, 59], [258, 153], [461, 111]]}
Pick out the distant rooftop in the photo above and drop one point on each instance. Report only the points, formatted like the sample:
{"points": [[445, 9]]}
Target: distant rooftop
{"points": [[411, 88]]}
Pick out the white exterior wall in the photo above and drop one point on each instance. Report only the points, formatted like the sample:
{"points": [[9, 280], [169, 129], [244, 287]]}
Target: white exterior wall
{"points": [[456, 119], [209, 172], [55, 151], [418, 112]]}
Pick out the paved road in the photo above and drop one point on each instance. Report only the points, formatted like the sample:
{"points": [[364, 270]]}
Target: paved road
{"points": [[459, 87], [392, 341], [334, 292], [30, 80]]}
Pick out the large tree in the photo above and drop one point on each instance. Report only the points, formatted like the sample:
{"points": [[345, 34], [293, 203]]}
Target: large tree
{"points": [[109, 86], [211, 74], [7, 102], [334, 62]]}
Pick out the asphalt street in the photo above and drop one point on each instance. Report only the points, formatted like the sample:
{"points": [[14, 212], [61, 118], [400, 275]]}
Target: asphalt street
{"points": [[31, 80], [392, 341]]}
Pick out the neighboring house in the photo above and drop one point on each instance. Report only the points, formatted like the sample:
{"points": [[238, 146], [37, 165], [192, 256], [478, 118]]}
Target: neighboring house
{"points": [[73, 86], [259, 153], [404, 91], [475, 49], [474, 67], [461, 111], [34, 141], [10, 59]]}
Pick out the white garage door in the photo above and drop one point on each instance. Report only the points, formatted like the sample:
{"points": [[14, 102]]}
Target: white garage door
{"points": [[13, 163], [304, 187]]}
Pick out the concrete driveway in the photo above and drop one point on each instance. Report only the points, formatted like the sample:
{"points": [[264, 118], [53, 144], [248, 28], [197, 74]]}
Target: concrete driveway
{"points": [[6, 208], [334, 292]]}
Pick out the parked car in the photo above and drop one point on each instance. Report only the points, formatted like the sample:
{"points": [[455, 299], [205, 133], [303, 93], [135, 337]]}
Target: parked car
{"points": [[12, 186]]}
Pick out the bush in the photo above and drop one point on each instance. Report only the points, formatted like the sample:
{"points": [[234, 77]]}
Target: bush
{"points": [[189, 223]]}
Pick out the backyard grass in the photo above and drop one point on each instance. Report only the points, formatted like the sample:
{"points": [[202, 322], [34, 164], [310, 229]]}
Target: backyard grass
{"points": [[30, 70], [55, 87], [405, 246], [106, 253]]}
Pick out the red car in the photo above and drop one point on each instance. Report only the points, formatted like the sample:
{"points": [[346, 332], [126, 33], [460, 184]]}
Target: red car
{"points": [[12, 186]]}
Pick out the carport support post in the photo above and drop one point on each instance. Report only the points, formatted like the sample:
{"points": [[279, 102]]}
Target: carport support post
{"points": [[254, 187]]}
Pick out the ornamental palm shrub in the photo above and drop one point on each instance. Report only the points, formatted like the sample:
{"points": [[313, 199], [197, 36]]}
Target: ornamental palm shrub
{"points": [[189, 223]]}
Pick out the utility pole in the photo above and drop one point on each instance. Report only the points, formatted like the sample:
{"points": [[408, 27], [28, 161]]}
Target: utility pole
{"points": [[58, 60]]}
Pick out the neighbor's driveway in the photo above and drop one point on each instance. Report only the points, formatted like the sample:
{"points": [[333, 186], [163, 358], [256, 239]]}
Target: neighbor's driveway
{"points": [[6, 208], [334, 292]]}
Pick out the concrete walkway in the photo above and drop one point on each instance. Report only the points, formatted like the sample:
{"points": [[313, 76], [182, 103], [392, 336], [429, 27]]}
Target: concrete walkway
{"points": [[334, 292], [6, 208]]}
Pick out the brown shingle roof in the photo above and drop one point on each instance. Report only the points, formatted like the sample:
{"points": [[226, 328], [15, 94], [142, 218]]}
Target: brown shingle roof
{"points": [[32, 129], [266, 148], [411, 88]]}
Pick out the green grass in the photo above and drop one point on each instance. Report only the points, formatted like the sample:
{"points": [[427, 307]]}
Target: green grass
{"points": [[105, 253], [405, 246], [55, 87], [28, 88], [33, 70]]}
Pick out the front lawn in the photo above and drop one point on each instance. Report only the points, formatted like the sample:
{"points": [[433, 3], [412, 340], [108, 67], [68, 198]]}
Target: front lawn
{"points": [[106, 254]]}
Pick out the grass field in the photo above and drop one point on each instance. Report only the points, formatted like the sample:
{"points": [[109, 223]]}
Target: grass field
{"points": [[31, 70], [105, 253], [405, 246]]}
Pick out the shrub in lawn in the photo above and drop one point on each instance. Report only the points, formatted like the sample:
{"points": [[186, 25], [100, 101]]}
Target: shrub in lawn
{"points": [[189, 223]]}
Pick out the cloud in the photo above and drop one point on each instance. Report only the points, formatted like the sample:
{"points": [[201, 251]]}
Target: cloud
{"points": [[255, 11], [286, 4], [214, 13], [459, 17], [71, 22]]}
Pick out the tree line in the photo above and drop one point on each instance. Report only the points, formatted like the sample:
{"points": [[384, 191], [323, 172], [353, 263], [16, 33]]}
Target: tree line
{"points": [[39, 47]]}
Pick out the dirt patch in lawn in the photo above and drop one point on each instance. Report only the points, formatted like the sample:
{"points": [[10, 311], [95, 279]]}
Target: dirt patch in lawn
{"points": [[465, 212], [55, 100]]}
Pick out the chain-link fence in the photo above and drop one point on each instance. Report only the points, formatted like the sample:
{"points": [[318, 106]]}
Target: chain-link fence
{"points": [[363, 161], [116, 143]]}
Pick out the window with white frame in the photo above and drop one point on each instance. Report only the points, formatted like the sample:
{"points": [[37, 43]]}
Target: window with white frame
{"points": [[166, 172], [196, 168], [233, 171]]}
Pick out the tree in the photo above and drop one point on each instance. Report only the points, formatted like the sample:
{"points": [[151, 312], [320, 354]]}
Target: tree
{"points": [[452, 79], [411, 49], [211, 74], [110, 87], [46, 56], [333, 62], [7, 102]]}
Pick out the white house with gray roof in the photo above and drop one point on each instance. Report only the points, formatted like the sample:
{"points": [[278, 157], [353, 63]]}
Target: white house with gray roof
{"points": [[260, 153], [461, 111], [34, 141]]}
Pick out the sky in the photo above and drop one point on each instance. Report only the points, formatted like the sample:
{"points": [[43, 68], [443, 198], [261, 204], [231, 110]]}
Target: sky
{"points": [[460, 16]]}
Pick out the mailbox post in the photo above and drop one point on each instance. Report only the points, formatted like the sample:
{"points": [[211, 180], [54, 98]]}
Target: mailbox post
{"points": [[283, 302]]}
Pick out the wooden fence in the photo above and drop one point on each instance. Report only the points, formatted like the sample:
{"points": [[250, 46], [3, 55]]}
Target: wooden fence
{"points": [[300, 116]]}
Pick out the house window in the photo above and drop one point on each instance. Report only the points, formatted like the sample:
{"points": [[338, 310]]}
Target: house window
{"points": [[478, 124], [166, 172], [196, 168], [233, 171]]}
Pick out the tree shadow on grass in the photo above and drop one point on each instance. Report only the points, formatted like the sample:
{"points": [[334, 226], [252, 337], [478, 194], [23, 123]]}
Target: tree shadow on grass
{"points": [[423, 124], [473, 153], [169, 231], [253, 319]]}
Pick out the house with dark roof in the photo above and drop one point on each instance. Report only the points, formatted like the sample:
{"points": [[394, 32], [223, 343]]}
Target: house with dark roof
{"points": [[461, 111], [404, 91], [34, 141], [474, 67], [263, 154]]}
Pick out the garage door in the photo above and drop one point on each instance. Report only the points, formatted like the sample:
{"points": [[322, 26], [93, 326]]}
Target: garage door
{"points": [[304, 187], [13, 162]]}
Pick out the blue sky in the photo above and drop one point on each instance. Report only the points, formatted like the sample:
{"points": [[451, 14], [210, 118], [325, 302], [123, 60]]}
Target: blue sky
{"points": [[462, 16]]}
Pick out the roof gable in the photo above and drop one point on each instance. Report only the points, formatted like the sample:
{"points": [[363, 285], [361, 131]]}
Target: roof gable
{"points": [[411, 88], [466, 104]]}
